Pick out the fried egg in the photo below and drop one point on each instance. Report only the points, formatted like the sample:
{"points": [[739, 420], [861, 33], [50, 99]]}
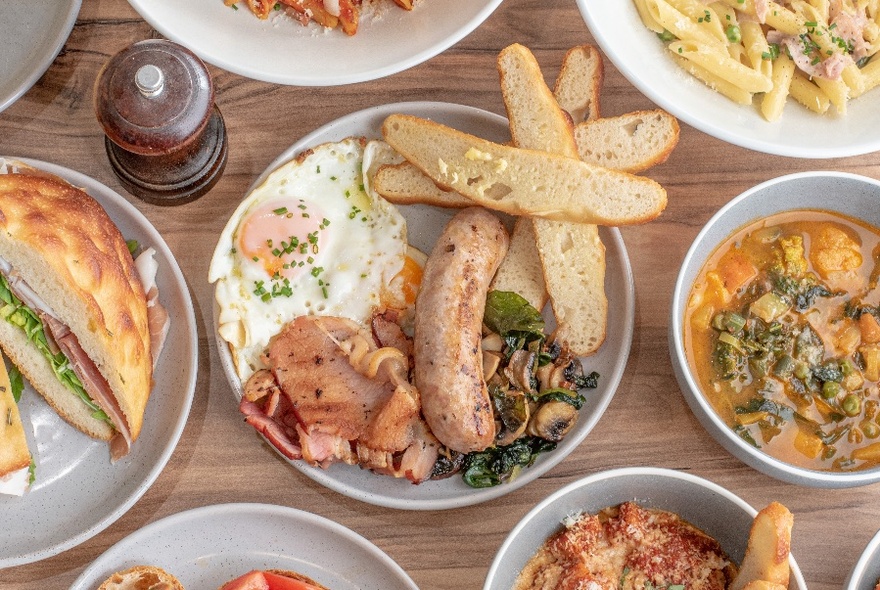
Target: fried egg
{"points": [[313, 239]]}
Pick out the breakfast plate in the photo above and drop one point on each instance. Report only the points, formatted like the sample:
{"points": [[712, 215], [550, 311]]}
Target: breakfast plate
{"points": [[208, 546], [644, 60], [424, 224], [282, 51], [31, 35], [78, 492]]}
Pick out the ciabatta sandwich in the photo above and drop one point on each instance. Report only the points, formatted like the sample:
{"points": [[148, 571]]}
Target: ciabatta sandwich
{"points": [[73, 310]]}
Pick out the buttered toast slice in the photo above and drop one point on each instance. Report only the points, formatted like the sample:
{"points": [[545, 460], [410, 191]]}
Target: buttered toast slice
{"points": [[523, 182]]}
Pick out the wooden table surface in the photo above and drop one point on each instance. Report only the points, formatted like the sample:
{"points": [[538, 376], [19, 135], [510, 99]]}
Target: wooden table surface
{"points": [[219, 459]]}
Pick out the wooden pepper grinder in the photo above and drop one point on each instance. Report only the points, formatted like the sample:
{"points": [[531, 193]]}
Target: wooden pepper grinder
{"points": [[165, 137]]}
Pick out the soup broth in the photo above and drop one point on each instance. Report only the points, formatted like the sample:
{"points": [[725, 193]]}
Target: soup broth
{"points": [[782, 331]]}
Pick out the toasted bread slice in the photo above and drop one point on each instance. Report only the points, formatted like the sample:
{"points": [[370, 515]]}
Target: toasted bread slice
{"points": [[521, 271], [579, 83], [404, 184], [141, 577], [520, 181], [632, 142], [536, 120], [571, 254]]}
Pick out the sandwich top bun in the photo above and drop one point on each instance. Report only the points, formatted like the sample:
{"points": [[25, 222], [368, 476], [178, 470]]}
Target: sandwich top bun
{"points": [[65, 247], [141, 577]]}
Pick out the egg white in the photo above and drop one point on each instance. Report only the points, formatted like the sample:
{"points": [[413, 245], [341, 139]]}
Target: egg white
{"points": [[357, 246]]}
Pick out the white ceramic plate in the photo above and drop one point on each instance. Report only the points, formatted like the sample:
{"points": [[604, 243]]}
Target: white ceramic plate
{"points": [[424, 226], [799, 133], [78, 493], [282, 51], [31, 35], [206, 547], [711, 508]]}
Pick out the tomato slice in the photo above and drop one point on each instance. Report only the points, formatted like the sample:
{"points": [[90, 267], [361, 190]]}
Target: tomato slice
{"points": [[277, 582], [250, 581]]}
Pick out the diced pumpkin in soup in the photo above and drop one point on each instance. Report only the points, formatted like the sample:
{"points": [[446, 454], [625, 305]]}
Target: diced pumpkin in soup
{"points": [[715, 289], [848, 339], [871, 356], [702, 318], [807, 444], [769, 307], [793, 256], [870, 328], [833, 251], [736, 270], [868, 453]]}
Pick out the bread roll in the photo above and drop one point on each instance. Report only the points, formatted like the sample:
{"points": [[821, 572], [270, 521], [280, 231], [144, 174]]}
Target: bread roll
{"points": [[62, 244]]}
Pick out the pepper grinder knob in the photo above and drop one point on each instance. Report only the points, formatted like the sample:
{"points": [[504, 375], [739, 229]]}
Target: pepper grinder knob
{"points": [[165, 137]]}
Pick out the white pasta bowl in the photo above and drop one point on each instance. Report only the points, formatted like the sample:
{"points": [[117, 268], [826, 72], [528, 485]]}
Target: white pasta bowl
{"points": [[837, 192], [711, 508], [799, 133], [866, 573]]}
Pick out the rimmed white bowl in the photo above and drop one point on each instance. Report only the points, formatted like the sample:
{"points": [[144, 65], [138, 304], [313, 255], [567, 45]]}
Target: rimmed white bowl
{"points": [[708, 506], [799, 133], [849, 194]]}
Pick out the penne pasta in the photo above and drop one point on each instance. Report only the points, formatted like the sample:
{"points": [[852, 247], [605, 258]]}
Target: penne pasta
{"points": [[722, 66], [808, 94], [836, 91], [774, 101], [646, 17], [756, 47], [819, 52], [679, 24], [871, 74], [706, 18], [734, 93]]}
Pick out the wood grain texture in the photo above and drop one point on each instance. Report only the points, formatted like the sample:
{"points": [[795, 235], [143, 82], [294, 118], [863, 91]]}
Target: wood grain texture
{"points": [[647, 423]]}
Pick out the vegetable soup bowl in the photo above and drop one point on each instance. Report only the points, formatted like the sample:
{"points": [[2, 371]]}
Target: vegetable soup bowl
{"points": [[817, 408], [866, 573], [706, 505]]}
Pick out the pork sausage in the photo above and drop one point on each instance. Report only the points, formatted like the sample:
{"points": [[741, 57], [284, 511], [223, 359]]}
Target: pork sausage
{"points": [[448, 330]]}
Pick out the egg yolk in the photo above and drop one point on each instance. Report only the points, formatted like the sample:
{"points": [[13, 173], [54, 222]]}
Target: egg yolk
{"points": [[284, 237], [406, 282]]}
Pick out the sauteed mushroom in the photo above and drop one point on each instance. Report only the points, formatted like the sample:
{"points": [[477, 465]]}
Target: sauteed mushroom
{"points": [[553, 420], [512, 408], [520, 370]]}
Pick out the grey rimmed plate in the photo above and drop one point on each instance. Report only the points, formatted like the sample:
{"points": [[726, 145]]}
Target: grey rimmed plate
{"points": [[206, 547], [706, 505], [78, 493], [31, 36], [424, 226]]}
